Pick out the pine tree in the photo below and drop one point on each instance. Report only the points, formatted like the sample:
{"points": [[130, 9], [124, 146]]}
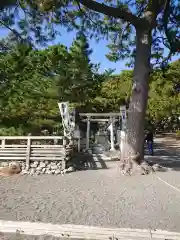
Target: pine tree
{"points": [[80, 74]]}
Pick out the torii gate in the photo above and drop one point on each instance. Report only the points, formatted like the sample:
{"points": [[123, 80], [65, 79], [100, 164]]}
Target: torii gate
{"points": [[100, 117], [68, 120]]}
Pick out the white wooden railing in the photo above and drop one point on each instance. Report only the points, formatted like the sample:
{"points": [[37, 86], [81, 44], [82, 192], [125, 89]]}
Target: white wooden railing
{"points": [[32, 148]]}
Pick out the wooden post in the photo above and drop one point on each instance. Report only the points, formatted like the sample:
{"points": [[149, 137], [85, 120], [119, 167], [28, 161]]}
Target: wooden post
{"points": [[77, 136], [87, 133], [112, 134], [64, 159], [64, 142], [28, 152], [79, 144], [3, 142]]}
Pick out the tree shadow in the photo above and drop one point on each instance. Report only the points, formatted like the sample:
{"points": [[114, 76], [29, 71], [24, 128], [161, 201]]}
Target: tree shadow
{"points": [[166, 154], [87, 161]]}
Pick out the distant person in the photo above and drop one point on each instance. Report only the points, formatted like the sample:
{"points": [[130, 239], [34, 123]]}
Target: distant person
{"points": [[150, 140]]}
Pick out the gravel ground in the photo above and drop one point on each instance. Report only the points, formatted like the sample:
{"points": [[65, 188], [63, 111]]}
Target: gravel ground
{"points": [[8, 236], [93, 197]]}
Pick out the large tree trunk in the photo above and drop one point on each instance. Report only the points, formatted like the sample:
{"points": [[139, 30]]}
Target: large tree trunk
{"points": [[132, 157]]}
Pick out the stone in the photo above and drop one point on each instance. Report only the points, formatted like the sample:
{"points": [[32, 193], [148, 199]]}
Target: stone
{"points": [[32, 171], [64, 171], [38, 172], [24, 172], [48, 172], [57, 172], [54, 167], [43, 170], [34, 164], [4, 164], [42, 164], [23, 166], [70, 169], [39, 168], [52, 163], [46, 162]]}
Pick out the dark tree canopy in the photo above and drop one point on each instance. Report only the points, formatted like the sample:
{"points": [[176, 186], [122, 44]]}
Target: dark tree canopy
{"points": [[40, 20]]}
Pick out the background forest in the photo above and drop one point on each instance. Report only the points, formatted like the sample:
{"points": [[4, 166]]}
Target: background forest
{"points": [[33, 81]]}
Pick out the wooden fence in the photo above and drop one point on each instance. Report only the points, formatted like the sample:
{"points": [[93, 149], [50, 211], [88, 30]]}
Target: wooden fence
{"points": [[32, 148]]}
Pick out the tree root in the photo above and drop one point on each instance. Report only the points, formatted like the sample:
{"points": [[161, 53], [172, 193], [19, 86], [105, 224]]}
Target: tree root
{"points": [[134, 165]]}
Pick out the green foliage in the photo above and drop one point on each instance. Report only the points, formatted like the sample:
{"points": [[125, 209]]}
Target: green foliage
{"points": [[34, 81], [78, 82], [11, 131], [115, 91], [178, 133], [25, 88], [115, 20], [164, 96]]}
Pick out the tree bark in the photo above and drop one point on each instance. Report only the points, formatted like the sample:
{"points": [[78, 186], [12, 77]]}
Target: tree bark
{"points": [[133, 152]]}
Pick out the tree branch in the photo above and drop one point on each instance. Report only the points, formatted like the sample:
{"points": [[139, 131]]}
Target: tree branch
{"points": [[7, 3], [12, 30], [16, 34], [111, 11], [152, 10], [173, 41]]}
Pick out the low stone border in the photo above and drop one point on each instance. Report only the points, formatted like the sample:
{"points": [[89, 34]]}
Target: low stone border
{"points": [[46, 167], [39, 168]]}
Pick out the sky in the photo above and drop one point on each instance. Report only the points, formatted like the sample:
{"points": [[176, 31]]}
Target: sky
{"points": [[99, 50]]}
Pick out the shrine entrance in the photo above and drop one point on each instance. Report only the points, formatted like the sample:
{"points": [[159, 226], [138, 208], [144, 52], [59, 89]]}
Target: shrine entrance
{"points": [[106, 137], [95, 132]]}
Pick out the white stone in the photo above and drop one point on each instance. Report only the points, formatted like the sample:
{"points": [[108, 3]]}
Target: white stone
{"points": [[39, 168], [57, 172], [38, 172], [4, 164], [71, 169], [23, 172], [52, 163], [23, 166], [42, 164], [54, 167], [43, 170], [34, 164], [32, 171], [48, 172]]}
